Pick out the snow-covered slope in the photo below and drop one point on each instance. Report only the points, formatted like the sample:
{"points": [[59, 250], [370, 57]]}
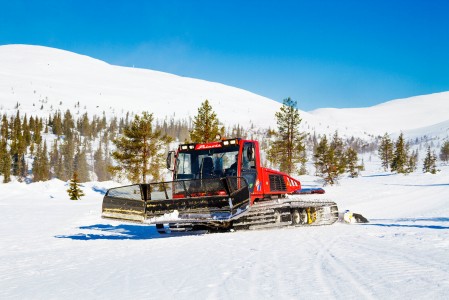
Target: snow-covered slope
{"points": [[43, 79], [393, 116], [55, 248], [34, 75]]}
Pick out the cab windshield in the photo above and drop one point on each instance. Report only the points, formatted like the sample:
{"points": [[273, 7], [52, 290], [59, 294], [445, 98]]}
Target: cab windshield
{"points": [[210, 163]]}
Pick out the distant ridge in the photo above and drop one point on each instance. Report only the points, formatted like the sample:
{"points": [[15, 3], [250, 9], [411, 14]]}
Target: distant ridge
{"points": [[43, 79]]}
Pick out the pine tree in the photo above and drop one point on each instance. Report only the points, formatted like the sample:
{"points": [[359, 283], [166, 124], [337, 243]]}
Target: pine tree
{"points": [[56, 123], [338, 156], [36, 166], [352, 163], [430, 162], [205, 124], [5, 157], [101, 165], [319, 155], [68, 124], [140, 151], [80, 165], [330, 159], [75, 192], [68, 155], [41, 167], [412, 161], [400, 157], [386, 151], [444, 152], [288, 148]]}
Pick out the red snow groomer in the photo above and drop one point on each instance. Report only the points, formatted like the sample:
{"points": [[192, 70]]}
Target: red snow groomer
{"points": [[219, 186]]}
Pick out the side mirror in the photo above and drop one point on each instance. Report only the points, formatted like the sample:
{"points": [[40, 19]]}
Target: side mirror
{"points": [[171, 160]]}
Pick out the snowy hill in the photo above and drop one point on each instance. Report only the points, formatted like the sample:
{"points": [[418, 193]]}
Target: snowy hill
{"points": [[397, 115], [44, 79], [34, 75]]}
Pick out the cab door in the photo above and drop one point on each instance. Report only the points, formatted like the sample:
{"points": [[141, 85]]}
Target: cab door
{"points": [[248, 164]]}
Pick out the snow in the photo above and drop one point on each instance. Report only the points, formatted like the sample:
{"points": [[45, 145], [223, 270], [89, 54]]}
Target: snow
{"points": [[393, 116], [47, 76], [56, 248]]}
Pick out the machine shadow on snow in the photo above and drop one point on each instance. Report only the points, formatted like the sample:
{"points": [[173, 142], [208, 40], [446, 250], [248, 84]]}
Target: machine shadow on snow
{"points": [[122, 232], [420, 185], [417, 223]]}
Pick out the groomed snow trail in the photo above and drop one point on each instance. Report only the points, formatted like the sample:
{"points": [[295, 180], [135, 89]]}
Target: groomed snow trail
{"points": [[54, 248]]}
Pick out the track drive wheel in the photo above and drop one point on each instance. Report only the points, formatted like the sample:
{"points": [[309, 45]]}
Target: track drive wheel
{"points": [[296, 217], [303, 217], [277, 217]]}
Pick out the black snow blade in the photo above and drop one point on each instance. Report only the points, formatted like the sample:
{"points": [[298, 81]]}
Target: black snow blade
{"points": [[183, 201]]}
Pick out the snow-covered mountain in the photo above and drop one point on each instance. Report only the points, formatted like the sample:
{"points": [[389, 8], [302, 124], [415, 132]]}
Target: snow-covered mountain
{"points": [[42, 79], [415, 115], [34, 75]]}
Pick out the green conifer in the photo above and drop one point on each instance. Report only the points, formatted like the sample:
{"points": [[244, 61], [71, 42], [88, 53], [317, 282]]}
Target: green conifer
{"points": [[430, 162], [288, 149], [80, 165], [205, 124], [386, 151], [75, 192], [400, 159], [444, 152], [140, 151], [352, 163]]}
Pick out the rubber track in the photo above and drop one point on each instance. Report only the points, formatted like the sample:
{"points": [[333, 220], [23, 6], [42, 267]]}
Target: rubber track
{"points": [[278, 213]]}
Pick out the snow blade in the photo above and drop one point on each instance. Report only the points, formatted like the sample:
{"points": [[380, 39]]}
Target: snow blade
{"points": [[183, 201]]}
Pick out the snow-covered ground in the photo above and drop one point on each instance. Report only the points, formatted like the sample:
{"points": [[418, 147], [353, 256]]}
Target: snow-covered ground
{"points": [[55, 248]]}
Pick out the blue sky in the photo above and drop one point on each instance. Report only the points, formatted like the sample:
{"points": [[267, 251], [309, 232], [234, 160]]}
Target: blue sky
{"points": [[320, 53]]}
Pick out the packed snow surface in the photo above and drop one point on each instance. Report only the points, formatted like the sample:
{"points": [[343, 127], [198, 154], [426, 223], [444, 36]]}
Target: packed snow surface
{"points": [[55, 248]]}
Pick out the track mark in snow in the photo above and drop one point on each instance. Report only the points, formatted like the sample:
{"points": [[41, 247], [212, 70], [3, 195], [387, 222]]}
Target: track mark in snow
{"points": [[335, 273]]}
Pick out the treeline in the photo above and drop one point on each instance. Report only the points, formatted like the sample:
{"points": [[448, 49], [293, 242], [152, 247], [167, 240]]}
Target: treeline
{"points": [[56, 147], [60, 145], [38, 149], [397, 156]]}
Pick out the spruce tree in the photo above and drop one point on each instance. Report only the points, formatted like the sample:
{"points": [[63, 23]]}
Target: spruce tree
{"points": [[5, 161], [288, 149], [5, 157], [319, 155], [412, 161], [101, 165], [68, 124], [444, 152], [75, 192], [338, 156], [400, 157], [80, 165], [330, 159], [68, 155], [430, 162], [41, 167], [205, 124], [36, 166], [352, 163], [386, 151], [140, 151]]}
